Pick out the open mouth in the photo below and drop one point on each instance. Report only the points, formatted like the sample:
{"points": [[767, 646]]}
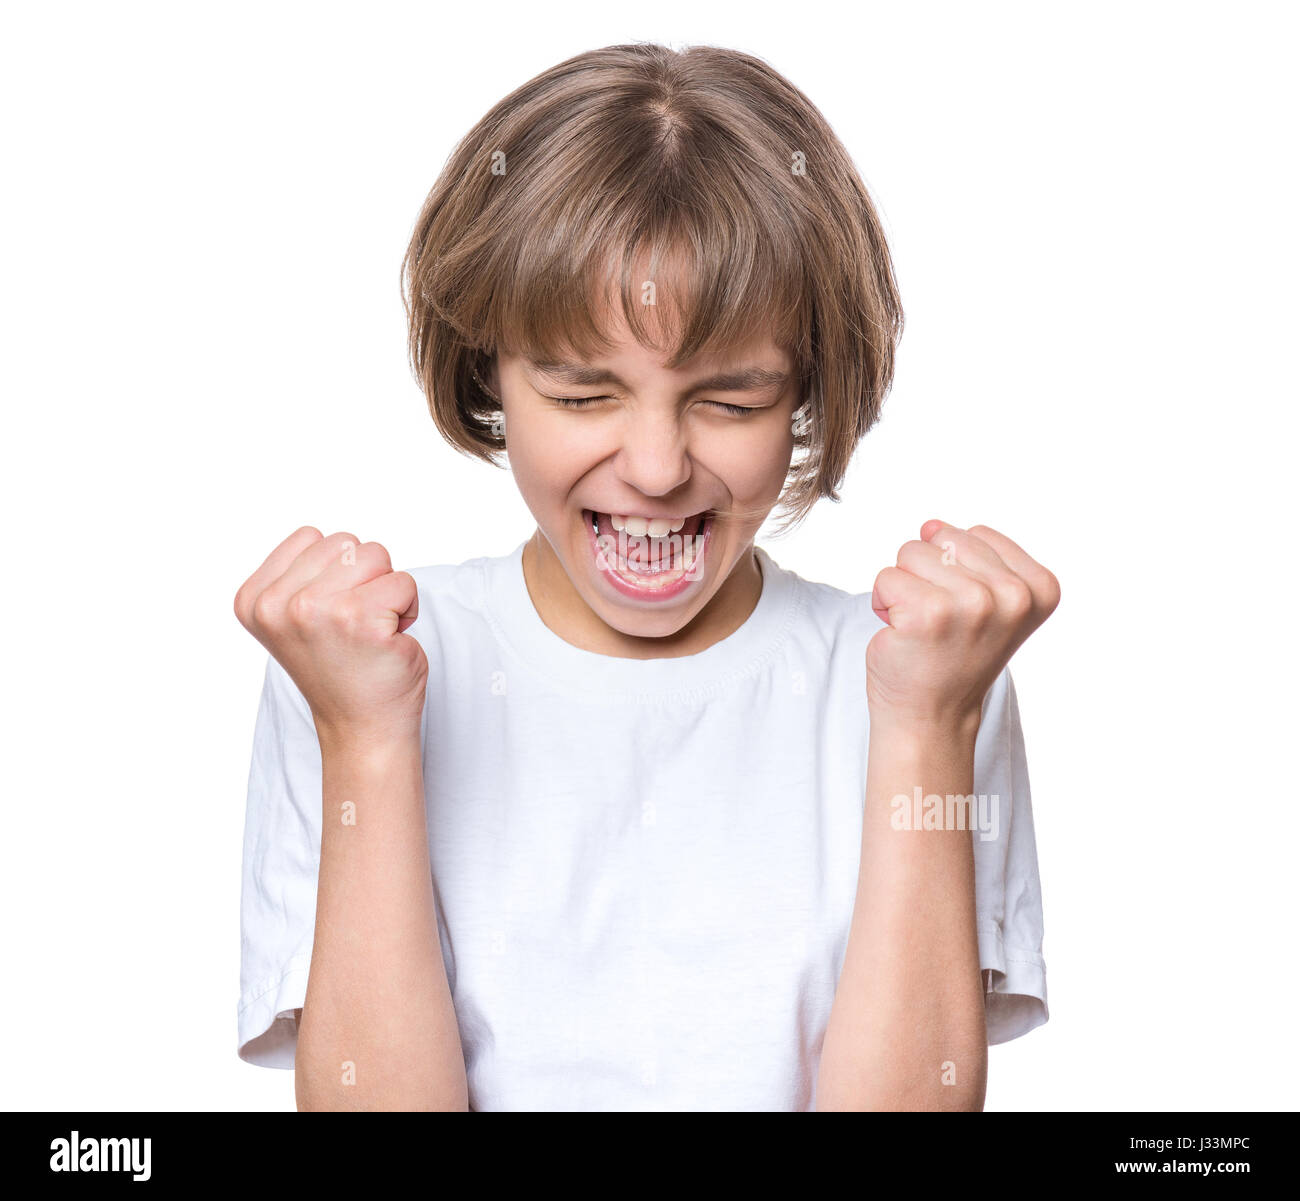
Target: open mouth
{"points": [[649, 557]]}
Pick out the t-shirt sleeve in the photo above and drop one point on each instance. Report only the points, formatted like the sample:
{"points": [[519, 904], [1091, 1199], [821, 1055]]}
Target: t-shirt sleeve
{"points": [[1008, 901], [281, 862]]}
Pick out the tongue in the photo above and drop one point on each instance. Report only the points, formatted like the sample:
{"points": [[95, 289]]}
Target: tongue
{"points": [[639, 548]]}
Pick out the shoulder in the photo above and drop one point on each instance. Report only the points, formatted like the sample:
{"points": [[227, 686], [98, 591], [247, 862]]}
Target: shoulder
{"points": [[455, 597], [829, 612], [453, 585]]}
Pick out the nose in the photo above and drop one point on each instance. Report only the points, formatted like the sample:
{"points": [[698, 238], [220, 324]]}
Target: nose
{"points": [[653, 458]]}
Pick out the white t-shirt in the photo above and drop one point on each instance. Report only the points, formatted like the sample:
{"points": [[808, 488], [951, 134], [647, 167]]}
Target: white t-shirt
{"points": [[645, 870]]}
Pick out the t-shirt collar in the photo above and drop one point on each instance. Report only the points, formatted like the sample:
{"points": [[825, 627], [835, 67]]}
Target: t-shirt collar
{"points": [[685, 678]]}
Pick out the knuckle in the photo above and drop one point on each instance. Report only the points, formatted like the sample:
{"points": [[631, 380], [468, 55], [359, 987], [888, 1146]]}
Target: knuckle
{"points": [[264, 609], [343, 542], [376, 555], [1051, 589], [301, 609], [909, 550], [978, 603], [1015, 596], [346, 615], [936, 615]]}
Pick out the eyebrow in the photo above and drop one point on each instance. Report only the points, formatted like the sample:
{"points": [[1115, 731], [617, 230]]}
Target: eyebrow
{"points": [[742, 379]]}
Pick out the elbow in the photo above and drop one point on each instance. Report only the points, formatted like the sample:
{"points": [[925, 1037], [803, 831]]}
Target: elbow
{"points": [[898, 1098], [320, 1087], [903, 1079], [311, 1098]]}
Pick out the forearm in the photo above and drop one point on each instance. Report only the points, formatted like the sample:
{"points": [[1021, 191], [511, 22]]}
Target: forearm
{"points": [[377, 995], [906, 1029]]}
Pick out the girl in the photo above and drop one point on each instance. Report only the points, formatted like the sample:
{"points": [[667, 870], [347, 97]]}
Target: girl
{"points": [[632, 818]]}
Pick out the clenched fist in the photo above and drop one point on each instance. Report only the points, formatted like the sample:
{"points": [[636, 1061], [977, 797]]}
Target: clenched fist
{"points": [[333, 613], [956, 606]]}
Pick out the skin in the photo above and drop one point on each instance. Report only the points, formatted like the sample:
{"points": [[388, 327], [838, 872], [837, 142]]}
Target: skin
{"points": [[378, 1028], [655, 443], [906, 1029], [957, 605]]}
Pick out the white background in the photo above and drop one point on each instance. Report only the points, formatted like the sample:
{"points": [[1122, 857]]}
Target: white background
{"points": [[1092, 209]]}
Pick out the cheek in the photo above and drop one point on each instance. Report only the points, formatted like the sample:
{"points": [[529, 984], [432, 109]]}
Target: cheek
{"points": [[754, 463], [546, 461], [534, 476]]}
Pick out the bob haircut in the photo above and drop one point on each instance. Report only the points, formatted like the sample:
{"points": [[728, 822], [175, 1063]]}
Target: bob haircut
{"points": [[704, 157]]}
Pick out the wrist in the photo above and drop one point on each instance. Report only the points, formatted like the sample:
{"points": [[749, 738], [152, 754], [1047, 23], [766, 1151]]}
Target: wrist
{"points": [[376, 746], [922, 732]]}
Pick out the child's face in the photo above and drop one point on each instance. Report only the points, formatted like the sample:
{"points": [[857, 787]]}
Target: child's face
{"points": [[653, 443]]}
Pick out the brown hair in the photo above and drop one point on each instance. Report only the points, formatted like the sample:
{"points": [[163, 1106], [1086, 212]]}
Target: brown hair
{"points": [[706, 156]]}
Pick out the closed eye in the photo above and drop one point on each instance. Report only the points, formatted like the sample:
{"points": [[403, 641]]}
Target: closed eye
{"points": [[576, 402], [738, 410], [581, 402]]}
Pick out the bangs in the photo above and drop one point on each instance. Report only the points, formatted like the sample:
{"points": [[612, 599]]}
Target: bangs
{"points": [[688, 281]]}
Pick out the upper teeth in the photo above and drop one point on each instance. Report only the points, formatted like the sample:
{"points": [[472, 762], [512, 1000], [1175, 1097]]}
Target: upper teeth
{"points": [[639, 527]]}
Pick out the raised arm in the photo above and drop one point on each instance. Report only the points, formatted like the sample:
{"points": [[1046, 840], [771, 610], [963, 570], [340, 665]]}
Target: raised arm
{"points": [[377, 1029], [906, 1029]]}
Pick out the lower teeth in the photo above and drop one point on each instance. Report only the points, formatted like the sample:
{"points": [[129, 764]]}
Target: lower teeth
{"points": [[653, 567], [670, 561]]}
